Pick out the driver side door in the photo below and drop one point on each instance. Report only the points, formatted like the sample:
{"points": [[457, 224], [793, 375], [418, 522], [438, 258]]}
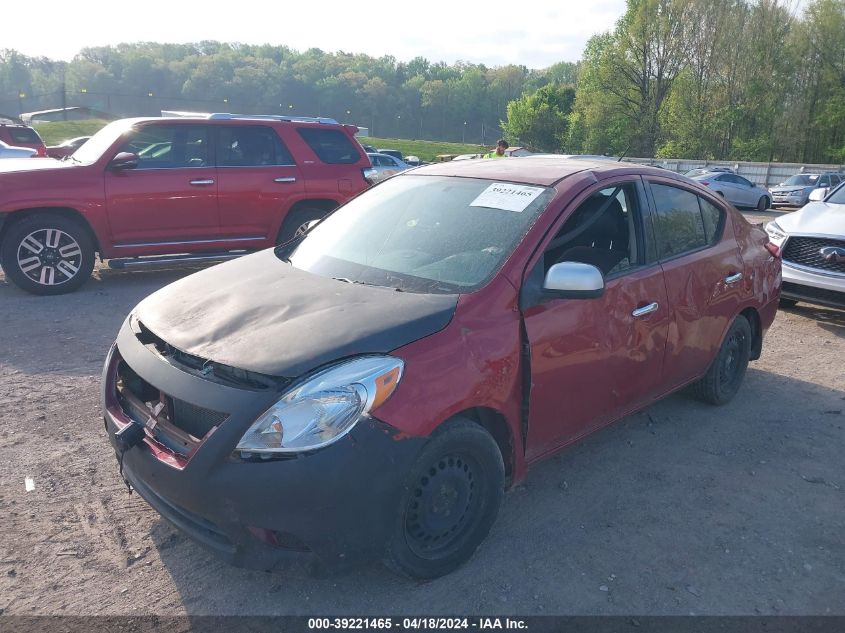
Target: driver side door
{"points": [[595, 360]]}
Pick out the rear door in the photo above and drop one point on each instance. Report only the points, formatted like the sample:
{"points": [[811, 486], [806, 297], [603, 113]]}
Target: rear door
{"points": [[593, 360], [704, 276], [170, 198], [258, 182]]}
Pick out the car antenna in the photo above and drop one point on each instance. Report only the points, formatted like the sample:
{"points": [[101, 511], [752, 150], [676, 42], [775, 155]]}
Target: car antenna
{"points": [[624, 152]]}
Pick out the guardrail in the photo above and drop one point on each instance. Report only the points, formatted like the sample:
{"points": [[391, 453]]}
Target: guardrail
{"points": [[764, 174]]}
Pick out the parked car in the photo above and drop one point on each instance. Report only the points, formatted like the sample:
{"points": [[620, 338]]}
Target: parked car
{"points": [[143, 190], [20, 135], [393, 152], [795, 190], [737, 190], [66, 148], [699, 171], [7, 151], [812, 241], [370, 149], [413, 161], [369, 389], [386, 166]]}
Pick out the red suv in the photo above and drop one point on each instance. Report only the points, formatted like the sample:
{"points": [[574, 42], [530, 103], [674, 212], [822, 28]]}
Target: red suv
{"points": [[20, 135], [210, 186], [369, 388]]}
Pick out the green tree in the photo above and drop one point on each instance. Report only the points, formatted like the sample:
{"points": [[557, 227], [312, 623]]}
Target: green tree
{"points": [[540, 120]]}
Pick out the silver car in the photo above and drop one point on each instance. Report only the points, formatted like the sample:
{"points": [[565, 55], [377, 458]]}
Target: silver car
{"points": [[385, 166], [795, 191], [737, 190], [8, 151]]}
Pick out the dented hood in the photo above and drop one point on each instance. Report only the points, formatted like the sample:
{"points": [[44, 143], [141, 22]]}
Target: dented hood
{"points": [[261, 314]]}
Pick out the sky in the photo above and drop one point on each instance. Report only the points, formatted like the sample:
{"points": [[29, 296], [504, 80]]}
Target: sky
{"points": [[534, 33]]}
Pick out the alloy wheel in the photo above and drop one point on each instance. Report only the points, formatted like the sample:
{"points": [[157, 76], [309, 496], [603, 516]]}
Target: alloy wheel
{"points": [[49, 257]]}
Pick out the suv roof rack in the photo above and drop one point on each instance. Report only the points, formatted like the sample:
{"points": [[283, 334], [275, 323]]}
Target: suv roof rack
{"points": [[217, 116]]}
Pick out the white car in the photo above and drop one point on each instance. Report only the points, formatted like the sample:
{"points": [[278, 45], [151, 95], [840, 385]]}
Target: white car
{"points": [[812, 243], [9, 151]]}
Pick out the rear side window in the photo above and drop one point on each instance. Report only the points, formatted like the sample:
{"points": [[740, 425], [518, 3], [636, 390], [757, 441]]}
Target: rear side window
{"points": [[712, 216], [251, 146], [24, 135], [679, 224], [330, 146]]}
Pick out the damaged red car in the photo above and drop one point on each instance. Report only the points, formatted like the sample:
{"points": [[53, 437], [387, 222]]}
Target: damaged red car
{"points": [[369, 389]]}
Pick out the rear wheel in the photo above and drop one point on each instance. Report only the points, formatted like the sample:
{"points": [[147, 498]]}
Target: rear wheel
{"points": [[722, 380], [449, 502], [297, 222], [763, 203], [48, 254]]}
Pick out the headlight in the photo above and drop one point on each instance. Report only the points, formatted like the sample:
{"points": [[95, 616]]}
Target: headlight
{"points": [[776, 234], [324, 408]]}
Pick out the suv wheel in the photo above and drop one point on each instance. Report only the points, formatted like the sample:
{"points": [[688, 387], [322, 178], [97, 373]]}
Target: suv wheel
{"points": [[297, 222], [449, 502], [48, 254], [721, 382]]}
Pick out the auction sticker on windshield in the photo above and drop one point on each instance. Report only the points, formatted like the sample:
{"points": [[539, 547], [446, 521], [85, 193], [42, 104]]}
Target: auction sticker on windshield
{"points": [[507, 197]]}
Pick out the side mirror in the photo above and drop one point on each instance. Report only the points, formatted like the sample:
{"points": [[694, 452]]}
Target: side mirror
{"points": [[574, 280], [124, 160], [817, 195]]}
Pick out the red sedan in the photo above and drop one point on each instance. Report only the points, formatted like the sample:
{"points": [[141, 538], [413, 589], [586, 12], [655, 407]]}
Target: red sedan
{"points": [[370, 389]]}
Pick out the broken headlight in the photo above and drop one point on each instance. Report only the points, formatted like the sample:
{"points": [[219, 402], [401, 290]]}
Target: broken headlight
{"points": [[776, 234], [324, 408]]}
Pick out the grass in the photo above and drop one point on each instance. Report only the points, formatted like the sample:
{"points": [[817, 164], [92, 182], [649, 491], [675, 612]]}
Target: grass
{"points": [[57, 131], [425, 150]]}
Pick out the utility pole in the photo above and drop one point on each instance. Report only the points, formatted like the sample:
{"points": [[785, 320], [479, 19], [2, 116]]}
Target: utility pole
{"points": [[64, 98]]}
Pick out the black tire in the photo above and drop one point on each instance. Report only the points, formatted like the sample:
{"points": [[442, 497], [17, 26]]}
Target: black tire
{"points": [[296, 221], [48, 254], [724, 377], [459, 472], [787, 303], [763, 203]]}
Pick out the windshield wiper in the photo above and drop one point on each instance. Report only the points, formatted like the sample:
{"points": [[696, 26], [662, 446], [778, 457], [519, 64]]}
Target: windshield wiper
{"points": [[365, 283]]}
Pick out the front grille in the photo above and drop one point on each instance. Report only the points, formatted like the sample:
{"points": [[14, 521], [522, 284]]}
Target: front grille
{"points": [[190, 418], [804, 251], [813, 295]]}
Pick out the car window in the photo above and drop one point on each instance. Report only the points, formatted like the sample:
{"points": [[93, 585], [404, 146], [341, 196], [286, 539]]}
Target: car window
{"points": [[835, 179], [743, 181], [679, 225], [429, 234], [169, 146], [713, 218], [250, 146], [824, 181], [331, 146], [378, 161], [24, 135], [602, 231]]}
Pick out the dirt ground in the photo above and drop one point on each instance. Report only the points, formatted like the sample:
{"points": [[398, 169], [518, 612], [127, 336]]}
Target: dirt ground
{"points": [[682, 508]]}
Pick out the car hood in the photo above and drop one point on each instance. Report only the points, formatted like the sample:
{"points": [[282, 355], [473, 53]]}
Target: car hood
{"points": [[32, 164], [261, 314], [816, 218], [788, 189]]}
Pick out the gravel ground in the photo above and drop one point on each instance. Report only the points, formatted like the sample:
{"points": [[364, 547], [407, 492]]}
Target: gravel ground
{"points": [[682, 508]]}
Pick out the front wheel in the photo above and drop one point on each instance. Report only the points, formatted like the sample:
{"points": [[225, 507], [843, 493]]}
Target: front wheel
{"points": [[763, 204], [48, 254], [297, 222], [722, 380], [449, 502]]}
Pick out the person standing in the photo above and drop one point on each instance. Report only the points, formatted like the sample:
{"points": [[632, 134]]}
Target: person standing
{"points": [[499, 152]]}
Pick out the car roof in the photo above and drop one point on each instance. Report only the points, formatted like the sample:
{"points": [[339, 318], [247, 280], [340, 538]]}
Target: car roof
{"points": [[545, 170]]}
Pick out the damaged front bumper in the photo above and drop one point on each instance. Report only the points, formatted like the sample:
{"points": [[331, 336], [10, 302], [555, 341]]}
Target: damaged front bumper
{"points": [[337, 504]]}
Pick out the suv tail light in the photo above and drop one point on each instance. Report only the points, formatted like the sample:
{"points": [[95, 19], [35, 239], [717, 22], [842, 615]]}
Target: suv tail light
{"points": [[370, 175]]}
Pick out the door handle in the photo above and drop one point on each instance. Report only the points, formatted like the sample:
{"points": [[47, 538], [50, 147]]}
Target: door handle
{"points": [[285, 179], [199, 183], [651, 307], [732, 279]]}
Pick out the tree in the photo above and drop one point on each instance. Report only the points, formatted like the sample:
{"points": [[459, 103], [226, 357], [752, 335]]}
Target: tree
{"points": [[539, 120]]}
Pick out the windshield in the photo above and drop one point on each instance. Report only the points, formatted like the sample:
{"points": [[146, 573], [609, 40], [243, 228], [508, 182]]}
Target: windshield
{"points": [[429, 234], [838, 195], [101, 141], [801, 179]]}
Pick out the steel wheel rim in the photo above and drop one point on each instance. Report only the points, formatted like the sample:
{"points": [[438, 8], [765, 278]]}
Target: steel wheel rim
{"points": [[49, 257], [734, 348], [444, 506]]}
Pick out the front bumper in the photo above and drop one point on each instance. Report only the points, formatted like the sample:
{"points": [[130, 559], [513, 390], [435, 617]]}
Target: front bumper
{"points": [[804, 284], [789, 200], [337, 504]]}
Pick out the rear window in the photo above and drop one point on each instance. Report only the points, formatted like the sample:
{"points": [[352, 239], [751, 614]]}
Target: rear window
{"points": [[24, 135], [331, 146]]}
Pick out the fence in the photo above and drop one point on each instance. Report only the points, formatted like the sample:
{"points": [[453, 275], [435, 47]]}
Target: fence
{"points": [[763, 174]]}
